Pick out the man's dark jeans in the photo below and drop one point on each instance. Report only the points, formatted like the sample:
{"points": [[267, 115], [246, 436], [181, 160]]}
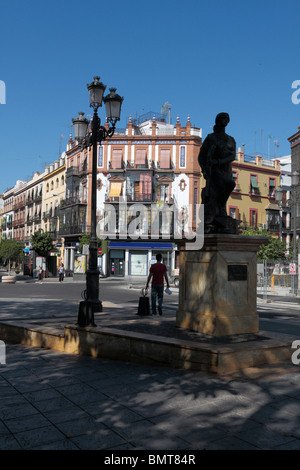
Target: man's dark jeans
{"points": [[159, 292]]}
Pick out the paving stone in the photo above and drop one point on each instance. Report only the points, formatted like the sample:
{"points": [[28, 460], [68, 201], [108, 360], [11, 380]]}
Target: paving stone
{"points": [[100, 440], [36, 437]]}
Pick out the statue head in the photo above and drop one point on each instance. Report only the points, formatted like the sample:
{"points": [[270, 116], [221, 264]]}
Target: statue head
{"points": [[221, 121]]}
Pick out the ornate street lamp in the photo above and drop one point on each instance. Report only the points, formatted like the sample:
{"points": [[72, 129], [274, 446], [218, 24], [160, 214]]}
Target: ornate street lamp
{"points": [[87, 137]]}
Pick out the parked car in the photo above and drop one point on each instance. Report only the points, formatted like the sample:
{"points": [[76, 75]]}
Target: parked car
{"points": [[174, 277]]}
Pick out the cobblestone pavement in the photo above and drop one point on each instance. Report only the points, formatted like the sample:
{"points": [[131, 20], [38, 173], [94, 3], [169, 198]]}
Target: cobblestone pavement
{"points": [[50, 400]]}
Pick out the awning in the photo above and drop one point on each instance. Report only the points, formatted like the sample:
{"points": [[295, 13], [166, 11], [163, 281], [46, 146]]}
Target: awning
{"points": [[254, 181], [140, 245], [115, 189]]}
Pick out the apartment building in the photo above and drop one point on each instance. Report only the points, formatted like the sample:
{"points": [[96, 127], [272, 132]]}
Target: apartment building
{"points": [[294, 141], [253, 198], [53, 198], [149, 162], [13, 221]]}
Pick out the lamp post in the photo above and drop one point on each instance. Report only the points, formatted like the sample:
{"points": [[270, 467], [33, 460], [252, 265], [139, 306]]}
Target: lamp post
{"points": [[90, 138], [293, 203]]}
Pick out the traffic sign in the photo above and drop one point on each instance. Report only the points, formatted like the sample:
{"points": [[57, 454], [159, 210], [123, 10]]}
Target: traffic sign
{"points": [[99, 251], [292, 268]]}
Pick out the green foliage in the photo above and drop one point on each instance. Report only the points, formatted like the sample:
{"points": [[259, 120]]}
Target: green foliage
{"points": [[274, 249], [42, 242], [85, 240], [11, 250]]}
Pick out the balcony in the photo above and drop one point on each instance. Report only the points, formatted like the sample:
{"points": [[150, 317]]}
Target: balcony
{"points": [[37, 197], [118, 166], [19, 222], [237, 188], [72, 229], [253, 191], [72, 171], [71, 201]]}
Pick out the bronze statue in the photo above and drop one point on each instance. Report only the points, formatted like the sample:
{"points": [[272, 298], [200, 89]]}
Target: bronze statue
{"points": [[215, 157]]}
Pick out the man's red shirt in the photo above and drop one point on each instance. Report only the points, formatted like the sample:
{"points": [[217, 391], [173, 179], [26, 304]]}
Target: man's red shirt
{"points": [[158, 270]]}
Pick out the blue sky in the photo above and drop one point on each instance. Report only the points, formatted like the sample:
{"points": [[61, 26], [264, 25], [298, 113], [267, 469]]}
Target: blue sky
{"points": [[201, 57]]}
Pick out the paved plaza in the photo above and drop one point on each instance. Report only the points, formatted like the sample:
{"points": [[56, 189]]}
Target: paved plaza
{"points": [[51, 400]]}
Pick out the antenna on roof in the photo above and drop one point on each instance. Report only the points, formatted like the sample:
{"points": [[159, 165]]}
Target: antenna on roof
{"points": [[166, 107]]}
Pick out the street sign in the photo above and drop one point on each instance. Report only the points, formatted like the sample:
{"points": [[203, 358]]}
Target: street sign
{"points": [[292, 267], [99, 251], [85, 249]]}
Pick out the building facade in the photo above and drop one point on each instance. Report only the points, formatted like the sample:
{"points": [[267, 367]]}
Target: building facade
{"points": [[151, 163], [295, 166], [253, 199]]}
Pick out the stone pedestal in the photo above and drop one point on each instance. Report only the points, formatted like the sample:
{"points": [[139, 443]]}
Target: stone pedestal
{"points": [[217, 288]]}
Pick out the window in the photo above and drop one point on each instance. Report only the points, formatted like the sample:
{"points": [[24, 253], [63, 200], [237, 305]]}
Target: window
{"points": [[165, 159], [146, 186], [116, 162], [100, 157], [254, 185], [140, 159], [271, 192], [234, 212], [235, 178], [164, 193], [182, 157], [253, 217], [195, 202]]}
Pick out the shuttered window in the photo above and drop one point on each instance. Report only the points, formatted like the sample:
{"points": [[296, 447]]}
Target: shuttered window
{"points": [[116, 161], [165, 159]]}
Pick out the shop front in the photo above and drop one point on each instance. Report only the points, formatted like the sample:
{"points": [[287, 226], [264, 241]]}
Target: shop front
{"points": [[116, 263], [135, 258]]}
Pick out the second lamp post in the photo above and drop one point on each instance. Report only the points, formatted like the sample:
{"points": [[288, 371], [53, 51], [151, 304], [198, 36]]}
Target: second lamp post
{"points": [[91, 138]]}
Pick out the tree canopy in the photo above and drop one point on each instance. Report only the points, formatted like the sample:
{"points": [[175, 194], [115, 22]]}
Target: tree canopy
{"points": [[274, 249], [11, 250], [85, 240], [42, 242]]}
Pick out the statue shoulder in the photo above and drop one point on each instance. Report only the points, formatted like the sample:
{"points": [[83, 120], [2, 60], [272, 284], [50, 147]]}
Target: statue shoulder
{"points": [[230, 138]]}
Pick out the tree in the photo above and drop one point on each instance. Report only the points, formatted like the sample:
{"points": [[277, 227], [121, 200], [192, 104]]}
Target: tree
{"points": [[42, 242], [85, 240], [11, 250], [274, 249]]}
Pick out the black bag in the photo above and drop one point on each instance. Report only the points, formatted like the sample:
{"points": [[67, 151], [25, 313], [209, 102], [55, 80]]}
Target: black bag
{"points": [[144, 304]]}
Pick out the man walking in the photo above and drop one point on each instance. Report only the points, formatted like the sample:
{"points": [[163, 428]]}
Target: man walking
{"points": [[158, 272]]}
